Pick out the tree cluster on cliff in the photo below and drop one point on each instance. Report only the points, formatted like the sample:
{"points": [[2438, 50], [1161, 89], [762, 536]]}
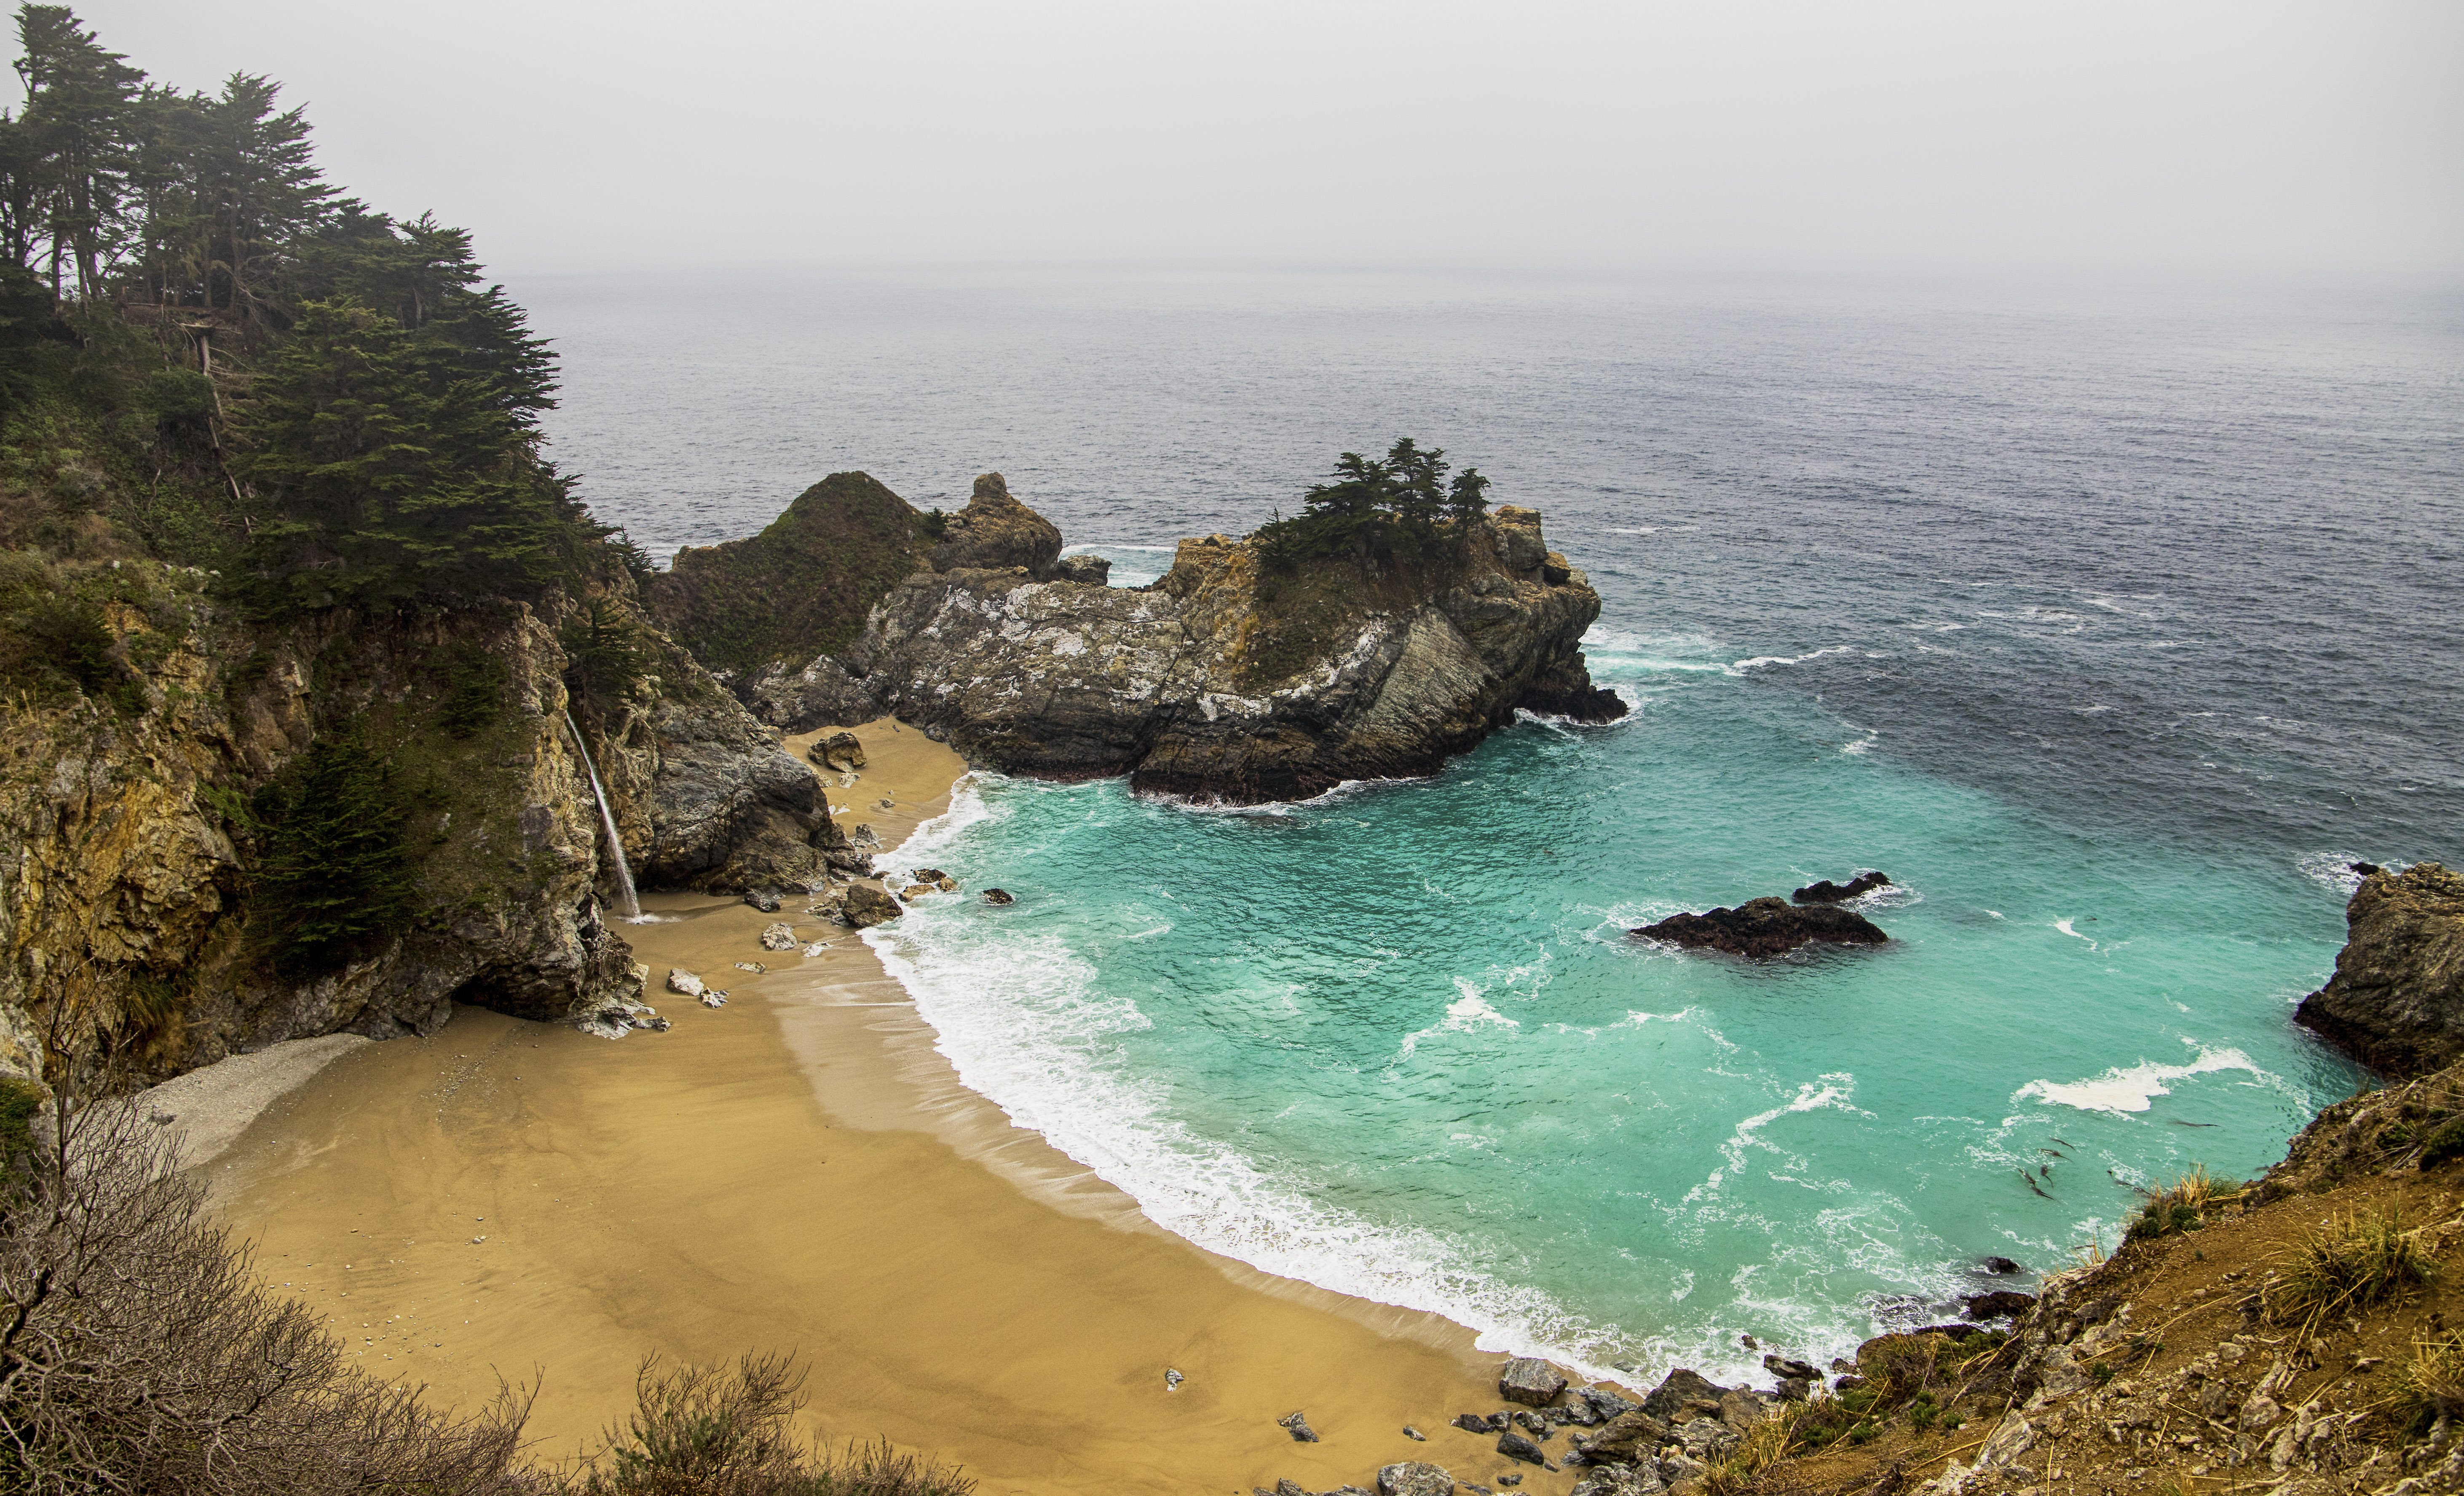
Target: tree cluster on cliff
{"points": [[1374, 505], [211, 356]]}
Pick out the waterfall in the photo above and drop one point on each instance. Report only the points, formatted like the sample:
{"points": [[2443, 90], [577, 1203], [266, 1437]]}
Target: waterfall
{"points": [[626, 903]]}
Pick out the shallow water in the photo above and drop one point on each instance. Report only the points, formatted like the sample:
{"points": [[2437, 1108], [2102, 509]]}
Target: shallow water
{"points": [[2110, 622]]}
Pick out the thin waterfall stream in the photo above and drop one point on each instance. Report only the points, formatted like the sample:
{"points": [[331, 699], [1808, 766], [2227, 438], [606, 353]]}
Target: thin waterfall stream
{"points": [[627, 903]]}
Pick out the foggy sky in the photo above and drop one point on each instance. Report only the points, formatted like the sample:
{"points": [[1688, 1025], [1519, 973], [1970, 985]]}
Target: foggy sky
{"points": [[621, 134]]}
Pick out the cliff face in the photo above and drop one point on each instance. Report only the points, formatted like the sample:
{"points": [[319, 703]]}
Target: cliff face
{"points": [[159, 872], [2396, 1003], [1229, 680]]}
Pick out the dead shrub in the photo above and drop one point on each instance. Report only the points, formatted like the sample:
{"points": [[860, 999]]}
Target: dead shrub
{"points": [[2351, 1261]]}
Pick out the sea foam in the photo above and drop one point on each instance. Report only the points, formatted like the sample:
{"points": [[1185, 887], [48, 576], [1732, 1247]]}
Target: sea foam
{"points": [[2133, 1088]]}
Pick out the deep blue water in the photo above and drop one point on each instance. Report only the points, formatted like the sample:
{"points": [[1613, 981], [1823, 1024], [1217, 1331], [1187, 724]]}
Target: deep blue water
{"points": [[2110, 620]]}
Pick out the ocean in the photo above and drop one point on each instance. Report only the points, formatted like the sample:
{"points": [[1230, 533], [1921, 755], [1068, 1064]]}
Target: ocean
{"points": [[2111, 619]]}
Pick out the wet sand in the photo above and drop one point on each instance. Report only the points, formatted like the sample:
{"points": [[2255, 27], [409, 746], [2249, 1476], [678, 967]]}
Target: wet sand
{"points": [[799, 1171]]}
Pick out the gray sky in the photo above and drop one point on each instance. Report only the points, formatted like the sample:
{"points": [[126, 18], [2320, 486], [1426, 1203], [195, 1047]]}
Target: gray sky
{"points": [[1600, 135]]}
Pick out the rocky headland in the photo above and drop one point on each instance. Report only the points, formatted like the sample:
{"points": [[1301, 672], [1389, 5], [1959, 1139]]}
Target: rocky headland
{"points": [[2396, 1002], [1232, 678]]}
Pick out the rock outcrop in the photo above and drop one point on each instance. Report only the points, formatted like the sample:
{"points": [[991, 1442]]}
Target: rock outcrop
{"points": [[1227, 680], [2396, 1002], [1765, 927], [996, 532]]}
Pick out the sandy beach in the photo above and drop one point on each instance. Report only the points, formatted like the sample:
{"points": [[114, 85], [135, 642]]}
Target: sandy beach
{"points": [[799, 1171]]}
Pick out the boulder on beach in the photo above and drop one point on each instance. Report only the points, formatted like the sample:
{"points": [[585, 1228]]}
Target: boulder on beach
{"points": [[1630, 1436], [840, 751], [1619, 1479], [779, 937], [1515, 1446], [1415, 1478], [863, 835], [1765, 927], [1827, 892], [762, 899], [865, 905], [684, 983], [1530, 1381]]}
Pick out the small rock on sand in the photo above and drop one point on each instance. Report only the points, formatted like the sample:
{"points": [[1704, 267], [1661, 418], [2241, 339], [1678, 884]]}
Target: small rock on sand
{"points": [[762, 899], [1515, 1446], [754, 967], [1171, 1379], [685, 983], [1415, 1478], [714, 999], [779, 937], [1298, 1425], [1414, 1435]]}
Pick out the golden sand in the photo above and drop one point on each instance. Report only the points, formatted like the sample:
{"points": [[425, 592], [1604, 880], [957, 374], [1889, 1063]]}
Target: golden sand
{"points": [[799, 1171]]}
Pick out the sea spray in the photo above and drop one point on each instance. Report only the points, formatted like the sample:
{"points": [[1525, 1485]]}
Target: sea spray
{"points": [[627, 902]]}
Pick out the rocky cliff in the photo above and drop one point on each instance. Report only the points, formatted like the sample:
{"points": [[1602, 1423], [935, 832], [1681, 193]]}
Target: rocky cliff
{"points": [[2396, 1002], [349, 823], [1229, 678]]}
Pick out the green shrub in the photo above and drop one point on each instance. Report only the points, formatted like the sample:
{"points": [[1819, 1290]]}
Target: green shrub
{"points": [[330, 884], [2446, 1141]]}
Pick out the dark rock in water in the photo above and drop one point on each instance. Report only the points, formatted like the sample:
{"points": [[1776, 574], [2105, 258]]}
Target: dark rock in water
{"points": [[1414, 1435], [1093, 571], [1415, 1478], [998, 896], [1827, 892], [928, 875], [1765, 927], [2367, 869], [1789, 1367], [1995, 1305], [1999, 1266], [1301, 1432], [1514, 1446], [1679, 1388], [763, 900], [2396, 1002], [1473, 1423], [1529, 1381], [866, 906]]}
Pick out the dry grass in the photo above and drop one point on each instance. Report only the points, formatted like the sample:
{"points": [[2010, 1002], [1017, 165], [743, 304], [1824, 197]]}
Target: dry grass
{"points": [[2184, 1206], [2351, 1261], [2431, 1386]]}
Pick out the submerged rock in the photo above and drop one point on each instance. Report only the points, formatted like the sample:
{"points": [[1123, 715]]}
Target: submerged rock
{"points": [[1998, 1267], [998, 896], [2396, 1002], [1530, 1381], [1765, 927], [1827, 892], [866, 906]]}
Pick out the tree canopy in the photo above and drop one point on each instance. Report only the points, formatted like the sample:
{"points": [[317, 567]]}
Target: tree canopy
{"points": [[375, 404], [1370, 505]]}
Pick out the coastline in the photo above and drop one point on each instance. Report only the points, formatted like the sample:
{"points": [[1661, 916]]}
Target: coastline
{"points": [[801, 1170]]}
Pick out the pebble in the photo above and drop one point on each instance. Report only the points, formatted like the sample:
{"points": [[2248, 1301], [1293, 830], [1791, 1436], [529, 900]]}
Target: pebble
{"points": [[1414, 1435], [1171, 1379]]}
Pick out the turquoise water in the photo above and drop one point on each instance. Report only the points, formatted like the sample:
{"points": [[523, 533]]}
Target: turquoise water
{"points": [[1397, 1043], [2111, 619]]}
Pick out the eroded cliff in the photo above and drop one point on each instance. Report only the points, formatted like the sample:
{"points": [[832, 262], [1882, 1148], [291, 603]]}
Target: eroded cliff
{"points": [[347, 823], [2396, 1002]]}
